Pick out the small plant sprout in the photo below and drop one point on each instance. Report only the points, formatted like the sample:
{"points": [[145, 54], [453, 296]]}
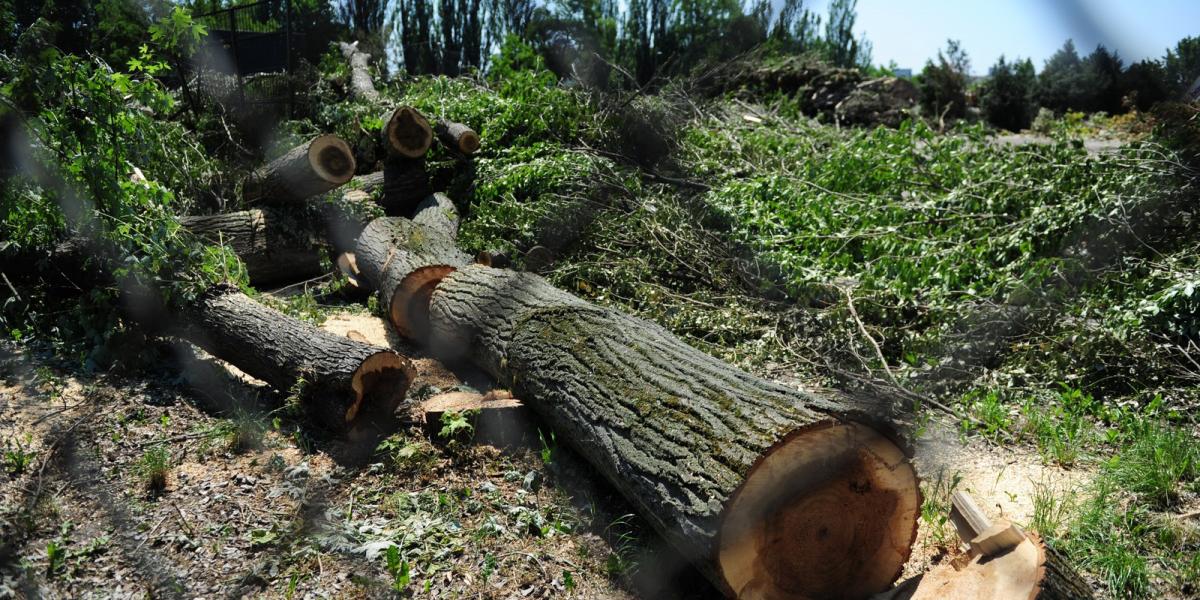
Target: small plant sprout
{"points": [[154, 468]]}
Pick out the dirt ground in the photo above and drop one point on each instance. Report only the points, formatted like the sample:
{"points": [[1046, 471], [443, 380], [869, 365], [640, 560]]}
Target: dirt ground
{"points": [[257, 504]]}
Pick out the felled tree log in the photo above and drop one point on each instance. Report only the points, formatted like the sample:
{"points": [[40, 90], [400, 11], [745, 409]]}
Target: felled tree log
{"points": [[402, 261], [312, 168], [407, 133], [772, 492], [457, 137], [343, 383], [368, 183], [277, 246], [361, 85], [438, 211], [405, 185]]}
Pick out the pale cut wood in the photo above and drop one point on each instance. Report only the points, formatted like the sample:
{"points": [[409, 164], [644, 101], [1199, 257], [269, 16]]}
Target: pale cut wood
{"points": [[969, 520], [1001, 537], [406, 132], [348, 267], [312, 168], [464, 401]]}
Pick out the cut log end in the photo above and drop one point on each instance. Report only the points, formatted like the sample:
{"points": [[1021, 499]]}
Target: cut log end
{"points": [[408, 133], [380, 384], [831, 511], [331, 159], [409, 308]]}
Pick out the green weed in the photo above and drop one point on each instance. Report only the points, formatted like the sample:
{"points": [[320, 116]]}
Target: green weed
{"points": [[935, 509], [154, 467], [17, 456], [1158, 463]]}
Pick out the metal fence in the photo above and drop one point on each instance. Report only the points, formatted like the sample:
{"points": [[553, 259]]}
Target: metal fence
{"points": [[245, 61]]}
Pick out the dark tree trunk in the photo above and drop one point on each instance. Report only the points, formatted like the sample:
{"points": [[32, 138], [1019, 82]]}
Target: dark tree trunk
{"points": [[402, 260], [405, 185], [312, 168], [343, 383], [771, 491], [277, 246]]}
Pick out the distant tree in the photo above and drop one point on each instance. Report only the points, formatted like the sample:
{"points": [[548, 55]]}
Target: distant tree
{"points": [[797, 28], [841, 48], [1006, 97], [416, 29], [1144, 84], [1063, 83], [1102, 76], [364, 17], [1182, 66], [943, 85]]}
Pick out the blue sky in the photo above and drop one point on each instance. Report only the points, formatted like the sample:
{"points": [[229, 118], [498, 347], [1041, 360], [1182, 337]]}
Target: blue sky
{"points": [[911, 32]]}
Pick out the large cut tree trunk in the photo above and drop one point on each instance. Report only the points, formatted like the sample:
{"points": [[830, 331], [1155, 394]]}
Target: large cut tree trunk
{"points": [[457, 137], [312, 168], [403, 260], [343, 383], [771, 491], [277, 246], [406, 133], [361, 85]]}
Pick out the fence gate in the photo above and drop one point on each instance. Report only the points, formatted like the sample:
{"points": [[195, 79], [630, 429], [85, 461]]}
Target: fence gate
{"points": [[245, 61]]}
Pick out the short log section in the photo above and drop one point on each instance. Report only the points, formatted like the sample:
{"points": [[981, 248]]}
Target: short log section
{"points": [[277, 246], [312, 168], [407, 133], [457, 137], [403, 261], [345, 383]]}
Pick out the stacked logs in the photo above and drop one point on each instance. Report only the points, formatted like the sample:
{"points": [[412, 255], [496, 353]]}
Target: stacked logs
{"points": [[283, 236]]}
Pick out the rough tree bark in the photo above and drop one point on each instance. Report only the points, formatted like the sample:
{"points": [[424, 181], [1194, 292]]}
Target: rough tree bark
{"points": [[771, 491], [345, 383], [457, 137], [438, 211], [361, 85], [402, 260], [368, 183], [312, 168], [277, 246], [406, 133]]}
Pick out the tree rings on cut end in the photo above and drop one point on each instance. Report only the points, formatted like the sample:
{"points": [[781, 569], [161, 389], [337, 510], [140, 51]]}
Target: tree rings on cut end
{"points": [[829, 512], [379, 384], [407, 133], [409, 309], [331, 159]]}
